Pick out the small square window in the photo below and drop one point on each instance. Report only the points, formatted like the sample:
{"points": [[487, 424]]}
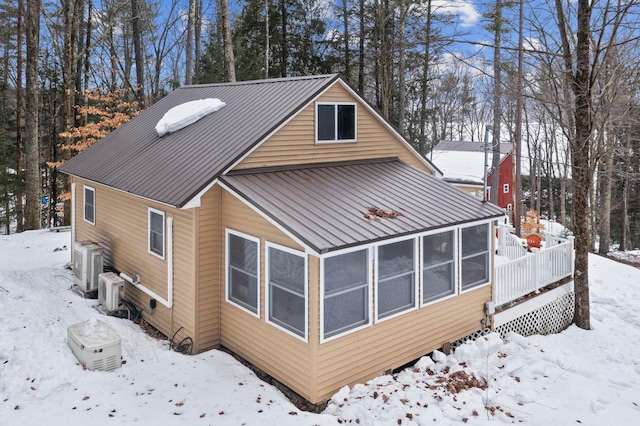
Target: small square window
{"points": [[335, 122], [156, 232], [90, 205]]}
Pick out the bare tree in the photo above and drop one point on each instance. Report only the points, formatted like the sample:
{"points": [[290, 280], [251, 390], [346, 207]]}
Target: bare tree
{"points": [[225, 22], [33, 177]]}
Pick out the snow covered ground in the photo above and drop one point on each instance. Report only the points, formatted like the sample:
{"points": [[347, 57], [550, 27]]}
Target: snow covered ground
{"points": [[576, 377]]}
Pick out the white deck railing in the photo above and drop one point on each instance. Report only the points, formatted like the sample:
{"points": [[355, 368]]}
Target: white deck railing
{"points": [[532, 271], [509, 245]]}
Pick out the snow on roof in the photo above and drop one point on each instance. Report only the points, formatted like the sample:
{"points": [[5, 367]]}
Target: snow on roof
{"points": [[460, 165], [182, 115]]}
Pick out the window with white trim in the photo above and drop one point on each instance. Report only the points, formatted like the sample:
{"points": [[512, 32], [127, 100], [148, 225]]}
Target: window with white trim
{"points": [[287, 289], [345, 297], [505, 188], [475, 256], [156, 232], [438, 266], [335, 122], [396, 278], [90, 205], [242, 265]]}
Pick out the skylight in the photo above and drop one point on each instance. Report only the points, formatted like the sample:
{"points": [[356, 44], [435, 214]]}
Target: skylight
{"points": [[182, 115]]}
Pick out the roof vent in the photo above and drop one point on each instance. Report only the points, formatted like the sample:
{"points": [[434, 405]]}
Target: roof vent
{"points": [[182, 115]]}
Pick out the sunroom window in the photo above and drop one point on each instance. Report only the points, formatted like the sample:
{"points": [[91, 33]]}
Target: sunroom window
{"points": [[243, 261], [475, 256], [396, 290], [346, 281], [438, 266], [335, 122], [287, 289]]}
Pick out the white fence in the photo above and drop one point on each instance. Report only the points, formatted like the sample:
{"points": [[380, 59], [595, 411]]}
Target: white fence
{"points": [[532, 271]]}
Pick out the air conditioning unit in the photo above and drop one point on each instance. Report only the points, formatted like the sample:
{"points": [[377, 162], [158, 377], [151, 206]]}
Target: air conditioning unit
{"points": [[87, 265], [110, 291], [95, 344]]}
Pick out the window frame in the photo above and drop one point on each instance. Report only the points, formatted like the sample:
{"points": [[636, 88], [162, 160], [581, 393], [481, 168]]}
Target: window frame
{"points": [[505, 188], [336, 123], [368, 285], [84, 204], [151, 211], [227, 280], [456, 265], [269, 245], [488, 252], [416, 293]]}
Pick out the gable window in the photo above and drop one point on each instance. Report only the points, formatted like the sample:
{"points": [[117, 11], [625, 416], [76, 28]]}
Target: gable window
{"points": [[345, 292], [156, 232], [287, 289], [336, 122], [90, 205], [438, 266], [242, 265], [475, 256], [505, 188], [396, 278]]}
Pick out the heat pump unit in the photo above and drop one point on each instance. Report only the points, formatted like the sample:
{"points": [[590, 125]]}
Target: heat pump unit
{"points": [[110, 291], [87, 265], [95, 344]]}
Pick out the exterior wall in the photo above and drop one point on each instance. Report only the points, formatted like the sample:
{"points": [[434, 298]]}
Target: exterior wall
{"points": [[295, 142], [209, 283], [506, 172], [121, 227], [373, 351], [473, 190], [287, 358]]}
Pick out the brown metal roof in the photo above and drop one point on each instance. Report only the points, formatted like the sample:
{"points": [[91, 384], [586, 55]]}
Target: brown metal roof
{"points": [[325, 206], [174, 168]]}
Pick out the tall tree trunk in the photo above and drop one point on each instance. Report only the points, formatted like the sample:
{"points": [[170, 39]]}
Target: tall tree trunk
{"points": [[580, 81], [346, 36], [404, 9], [267, 33], [19, 115], [33, 177], [424, 84], [361, 48], [229, 60], [284, 49], [137, 50], [606, 177], [188, 62], [197, 37], [624, 209], [497, 104], [517, 191]]}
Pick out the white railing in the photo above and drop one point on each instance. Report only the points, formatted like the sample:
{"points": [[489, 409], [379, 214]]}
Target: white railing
{"points": [[509, 245], [529, 273]]}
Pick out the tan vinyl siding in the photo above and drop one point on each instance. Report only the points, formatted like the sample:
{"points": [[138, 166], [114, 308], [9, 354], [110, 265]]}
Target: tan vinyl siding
{"points": [[358, 357], [295, 142], [209, 285], [267, 347], [122, 229]]}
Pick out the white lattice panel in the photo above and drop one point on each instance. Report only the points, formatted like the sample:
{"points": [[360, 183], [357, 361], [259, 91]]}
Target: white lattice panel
{"points": [[551, 318]]}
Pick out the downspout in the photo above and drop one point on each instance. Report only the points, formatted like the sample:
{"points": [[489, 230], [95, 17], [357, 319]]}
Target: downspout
{"points": [[168, 302], [73, 219]]}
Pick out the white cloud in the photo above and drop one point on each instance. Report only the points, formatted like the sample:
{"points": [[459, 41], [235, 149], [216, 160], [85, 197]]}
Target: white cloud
{"points": [[466, 11]]}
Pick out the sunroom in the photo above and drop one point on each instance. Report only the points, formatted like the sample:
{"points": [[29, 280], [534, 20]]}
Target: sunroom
{"points": [[345, 271]]}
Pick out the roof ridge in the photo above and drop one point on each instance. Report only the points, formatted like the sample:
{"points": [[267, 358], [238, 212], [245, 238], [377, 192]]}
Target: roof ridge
{"points": [[261, 81], [272, 169]]}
